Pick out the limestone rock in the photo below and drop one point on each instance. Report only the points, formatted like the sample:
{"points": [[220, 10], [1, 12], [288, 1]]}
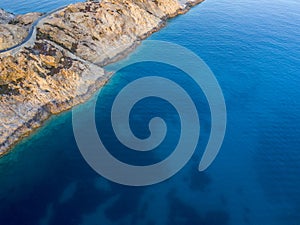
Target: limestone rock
{"points": [[28, 18], [14, 29], [5, 17], [11, 35], [40, 81], [98, 31], [60, 66]]}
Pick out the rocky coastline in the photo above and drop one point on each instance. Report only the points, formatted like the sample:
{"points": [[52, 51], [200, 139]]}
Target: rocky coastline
{"points": [[60, 64]]}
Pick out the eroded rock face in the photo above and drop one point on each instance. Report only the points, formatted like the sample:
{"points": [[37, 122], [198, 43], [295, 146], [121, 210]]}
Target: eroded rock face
{"points": [[14, 29], [38, 81], [26, 19], [97, 32], [60, 66], [5, 17], [11, 35], [94, 31]]}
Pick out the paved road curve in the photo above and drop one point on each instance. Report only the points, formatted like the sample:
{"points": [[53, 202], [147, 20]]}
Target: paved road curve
{"points": [[32, 31]]}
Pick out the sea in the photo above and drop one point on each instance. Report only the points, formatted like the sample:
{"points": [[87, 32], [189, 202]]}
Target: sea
{"points": [[253, 50]]}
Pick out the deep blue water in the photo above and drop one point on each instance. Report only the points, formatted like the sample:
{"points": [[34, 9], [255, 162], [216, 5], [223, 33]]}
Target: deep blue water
{"points": [[24, 6], [253, 50]]}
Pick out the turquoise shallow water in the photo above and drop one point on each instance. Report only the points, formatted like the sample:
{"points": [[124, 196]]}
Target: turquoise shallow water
{"points": [[253, 49]]}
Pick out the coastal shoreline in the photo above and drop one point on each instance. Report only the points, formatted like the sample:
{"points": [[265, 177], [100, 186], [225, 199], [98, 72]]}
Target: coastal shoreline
{"points": [[93, 68]]}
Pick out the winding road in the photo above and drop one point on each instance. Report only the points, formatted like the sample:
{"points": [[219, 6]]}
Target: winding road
{"points": [[32, 31]]}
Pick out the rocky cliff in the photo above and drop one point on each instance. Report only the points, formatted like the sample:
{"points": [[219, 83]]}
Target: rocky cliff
{"points": [[14, 28], [60, 64]]}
